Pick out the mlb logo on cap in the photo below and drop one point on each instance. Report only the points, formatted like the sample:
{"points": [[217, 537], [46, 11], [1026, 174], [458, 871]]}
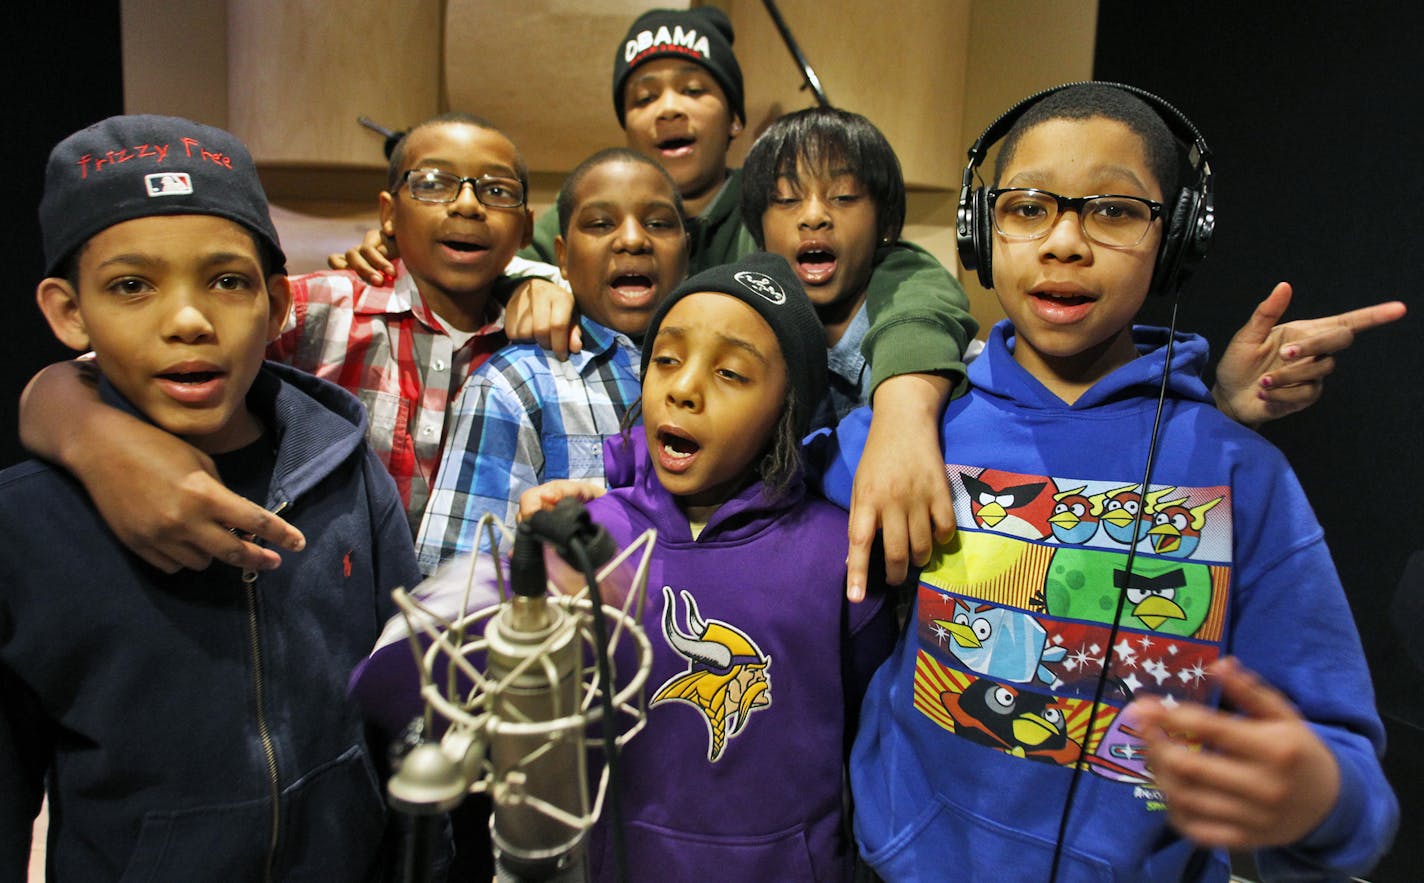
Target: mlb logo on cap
{"points": [[93, 180], [169, 184]]}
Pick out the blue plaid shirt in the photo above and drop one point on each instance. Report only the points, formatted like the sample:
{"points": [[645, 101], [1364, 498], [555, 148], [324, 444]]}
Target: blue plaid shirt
{"points": [[522, 419]]}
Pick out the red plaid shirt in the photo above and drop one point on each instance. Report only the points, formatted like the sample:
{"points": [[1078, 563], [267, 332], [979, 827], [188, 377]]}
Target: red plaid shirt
{"points": [[388, 349]]}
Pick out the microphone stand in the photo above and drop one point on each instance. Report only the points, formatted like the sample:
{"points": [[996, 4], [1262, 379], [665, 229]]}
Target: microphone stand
{"points": [[392, 137], [586, 546], [807, 74], [515, 695], [531, 636], [426, 786]]}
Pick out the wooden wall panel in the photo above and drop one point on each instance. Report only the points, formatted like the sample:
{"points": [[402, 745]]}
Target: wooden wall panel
{"points": [[1001, 73], [901, 64], [542, 70], [301, 71], [175, 58]]}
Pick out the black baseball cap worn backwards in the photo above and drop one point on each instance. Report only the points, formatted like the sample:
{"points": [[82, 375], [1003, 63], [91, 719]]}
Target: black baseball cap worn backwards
{"points": [[767, 284], [702, 35], [136, 166]]}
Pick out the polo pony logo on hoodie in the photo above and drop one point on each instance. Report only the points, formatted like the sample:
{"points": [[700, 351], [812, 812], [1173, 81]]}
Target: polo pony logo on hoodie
{"points": [[726, 679]]}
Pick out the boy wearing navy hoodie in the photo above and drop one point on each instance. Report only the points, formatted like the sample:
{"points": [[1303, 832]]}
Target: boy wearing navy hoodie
{"points": [[190, 725]]}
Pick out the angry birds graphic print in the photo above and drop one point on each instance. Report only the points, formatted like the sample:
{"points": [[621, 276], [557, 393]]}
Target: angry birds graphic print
{"points": [[1015, 613]]}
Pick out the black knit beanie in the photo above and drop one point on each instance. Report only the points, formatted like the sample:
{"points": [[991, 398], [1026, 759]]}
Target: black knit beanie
{"points": [[128, 167], [702, 35], [766, 283]]}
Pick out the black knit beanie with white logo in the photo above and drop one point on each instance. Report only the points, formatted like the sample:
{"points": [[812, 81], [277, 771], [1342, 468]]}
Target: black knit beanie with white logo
{"points": [[767, 284]]}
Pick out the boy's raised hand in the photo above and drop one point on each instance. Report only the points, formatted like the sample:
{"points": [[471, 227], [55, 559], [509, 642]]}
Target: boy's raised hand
{"points": [[371, 260], [546, 495], [160, 495], [1272, 369], [1264, 778], [545, 313], [900, 487]]}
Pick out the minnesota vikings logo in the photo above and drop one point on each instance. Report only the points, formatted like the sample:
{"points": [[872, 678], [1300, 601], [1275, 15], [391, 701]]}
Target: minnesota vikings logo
{"points": [[726, 678]]}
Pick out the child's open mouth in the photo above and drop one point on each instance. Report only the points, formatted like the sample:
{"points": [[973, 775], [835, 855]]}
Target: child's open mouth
{"points": [[1065, 300], [198, 387], [1061, 307], [632, 289], [680, 146], [462, 247], [675, 452], [191, 377], [815, 264]]}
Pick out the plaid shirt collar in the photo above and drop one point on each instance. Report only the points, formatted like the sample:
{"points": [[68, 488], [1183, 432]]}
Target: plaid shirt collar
{"points": [[402, 297]]}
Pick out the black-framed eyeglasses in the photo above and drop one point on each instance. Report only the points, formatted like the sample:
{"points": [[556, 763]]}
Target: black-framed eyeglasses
{"points": [[1107, 219], [437, 186]]}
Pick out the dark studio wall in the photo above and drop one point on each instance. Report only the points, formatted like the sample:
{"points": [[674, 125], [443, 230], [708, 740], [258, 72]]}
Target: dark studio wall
{"points": [[62, 71], [1312, 111], [1313, 114]]}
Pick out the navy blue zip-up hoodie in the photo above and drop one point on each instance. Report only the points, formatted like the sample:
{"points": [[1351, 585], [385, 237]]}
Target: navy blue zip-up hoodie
{"points": [[195, 725]]}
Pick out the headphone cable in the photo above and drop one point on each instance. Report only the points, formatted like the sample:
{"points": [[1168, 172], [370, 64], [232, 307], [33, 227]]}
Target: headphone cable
{"points": [[1121, 597]]}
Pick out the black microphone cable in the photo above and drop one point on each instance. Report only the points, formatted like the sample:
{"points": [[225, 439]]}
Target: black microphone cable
{"points": [[585, 546]]}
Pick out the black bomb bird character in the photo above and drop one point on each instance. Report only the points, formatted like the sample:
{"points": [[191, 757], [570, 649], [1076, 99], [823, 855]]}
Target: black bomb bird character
{"points": [[727, 674], [1019, 722]]}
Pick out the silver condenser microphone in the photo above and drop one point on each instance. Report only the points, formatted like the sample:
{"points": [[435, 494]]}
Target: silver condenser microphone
{"points": [[534, 652], [509, 682]]}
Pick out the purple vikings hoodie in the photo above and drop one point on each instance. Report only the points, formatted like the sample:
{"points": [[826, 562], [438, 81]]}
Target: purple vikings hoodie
{"points": [[759, 664]]}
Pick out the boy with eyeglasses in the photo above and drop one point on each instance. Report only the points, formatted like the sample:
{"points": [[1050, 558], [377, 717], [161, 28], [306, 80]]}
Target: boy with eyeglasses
{"points": [[525, 417], [455, 201], [1097, 679]]}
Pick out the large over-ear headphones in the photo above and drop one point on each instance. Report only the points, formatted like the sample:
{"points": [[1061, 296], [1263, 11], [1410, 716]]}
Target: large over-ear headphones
{"points": [[1191, 219]]}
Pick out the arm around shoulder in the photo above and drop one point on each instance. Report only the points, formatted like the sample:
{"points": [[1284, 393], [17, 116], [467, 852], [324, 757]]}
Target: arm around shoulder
{"points": [[919, 317], [54, 407], [160, 495]]}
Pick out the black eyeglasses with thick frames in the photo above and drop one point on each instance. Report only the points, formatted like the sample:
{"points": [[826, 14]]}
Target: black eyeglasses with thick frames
{"points": [[437, 186], [1107, 219]]}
